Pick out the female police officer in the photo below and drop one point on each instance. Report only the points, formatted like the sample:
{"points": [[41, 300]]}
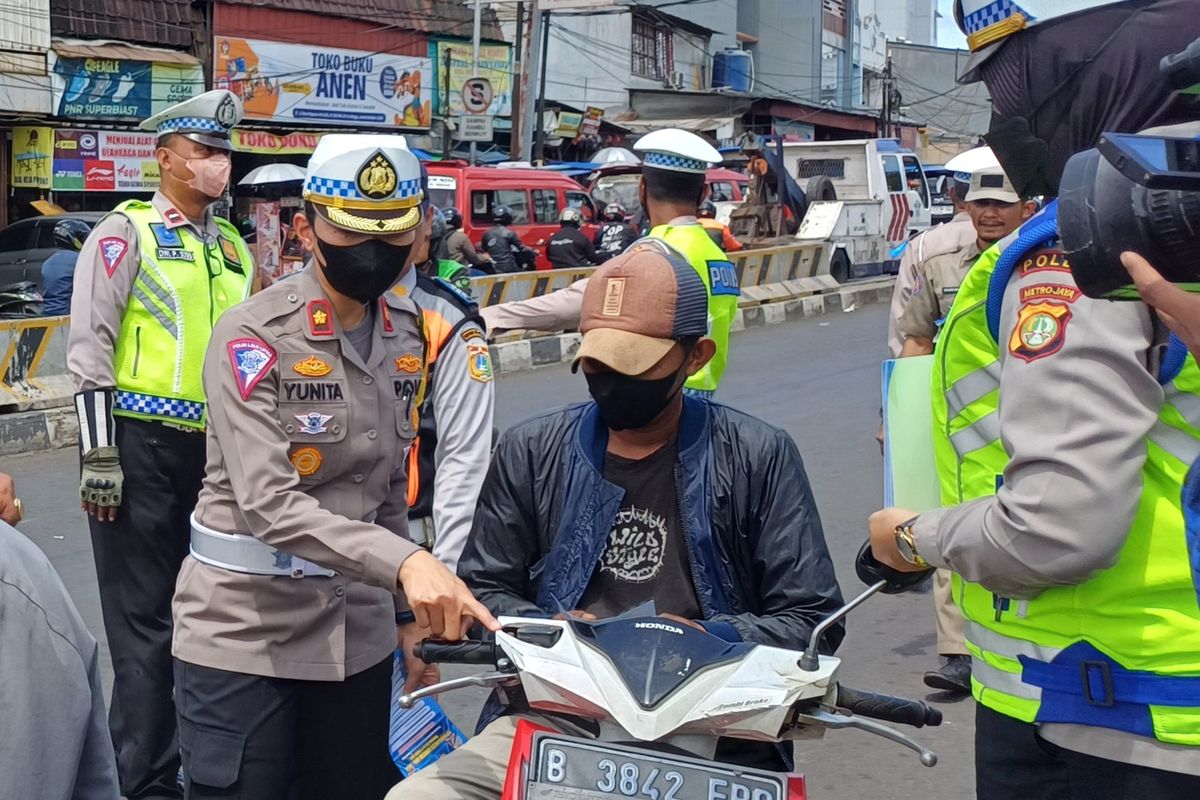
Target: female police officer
{"points": [[284, 615]]}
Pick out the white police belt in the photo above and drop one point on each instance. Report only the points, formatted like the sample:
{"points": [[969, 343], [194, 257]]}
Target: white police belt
{"points": [[243, 553]]}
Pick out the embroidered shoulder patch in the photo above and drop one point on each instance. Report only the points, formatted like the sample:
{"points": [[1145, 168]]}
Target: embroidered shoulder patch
{"points": [[112, 250], [250, 359], [471, 334], [1040, 331], [320, 318], [1045, 260], [479, 362], [1049, 291]]}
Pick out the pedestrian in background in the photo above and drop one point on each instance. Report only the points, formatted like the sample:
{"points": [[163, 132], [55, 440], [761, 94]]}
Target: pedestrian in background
{"points": [[152, 279]]}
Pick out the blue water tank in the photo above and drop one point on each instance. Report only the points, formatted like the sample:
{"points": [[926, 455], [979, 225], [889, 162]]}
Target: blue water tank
{"points": [[733, 69]]}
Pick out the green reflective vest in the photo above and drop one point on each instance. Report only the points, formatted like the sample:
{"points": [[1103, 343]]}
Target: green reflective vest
{"points": [[1121, 650], [720, 278], [182, 286]]}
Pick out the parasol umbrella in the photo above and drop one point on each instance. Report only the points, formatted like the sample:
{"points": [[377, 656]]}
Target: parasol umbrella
{"points": [[614, 155], [272, 173]]}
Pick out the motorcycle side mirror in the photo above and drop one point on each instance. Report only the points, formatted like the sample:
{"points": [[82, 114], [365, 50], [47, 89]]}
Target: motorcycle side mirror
{"points": [[871, 571], [879, 578]]}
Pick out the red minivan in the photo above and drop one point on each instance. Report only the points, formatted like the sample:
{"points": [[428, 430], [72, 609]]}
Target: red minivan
{"points": [[535, 197]]}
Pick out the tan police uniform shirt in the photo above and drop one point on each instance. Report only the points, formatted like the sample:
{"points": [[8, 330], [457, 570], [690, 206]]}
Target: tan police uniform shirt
{"points": [[1075, 411], [102, 287], [947, 237], [934, 292], [306, 442]]}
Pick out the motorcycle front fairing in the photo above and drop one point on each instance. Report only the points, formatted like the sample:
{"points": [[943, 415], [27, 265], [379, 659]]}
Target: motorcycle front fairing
{"points": [[657, 679]]}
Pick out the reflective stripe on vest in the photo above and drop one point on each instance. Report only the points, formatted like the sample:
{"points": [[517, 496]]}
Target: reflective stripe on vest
{"points": [[1075, 653], [182, 286], [722, 283]]}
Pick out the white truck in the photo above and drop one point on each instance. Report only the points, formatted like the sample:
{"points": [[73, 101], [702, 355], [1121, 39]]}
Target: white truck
{"points": [[865, 198]]}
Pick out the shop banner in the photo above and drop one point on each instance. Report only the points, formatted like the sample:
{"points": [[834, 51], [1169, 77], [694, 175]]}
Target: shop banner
{"points": [[568, 124], [591, 122], [495, 64], [32, 151], [309, 83], [100, 88], [297, 143]]}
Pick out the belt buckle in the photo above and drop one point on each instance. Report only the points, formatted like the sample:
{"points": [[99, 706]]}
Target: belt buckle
{"points": [[1105, 670]]}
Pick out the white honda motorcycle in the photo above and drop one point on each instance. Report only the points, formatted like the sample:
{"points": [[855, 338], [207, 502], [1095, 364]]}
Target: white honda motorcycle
{"points": [[662, 693]]}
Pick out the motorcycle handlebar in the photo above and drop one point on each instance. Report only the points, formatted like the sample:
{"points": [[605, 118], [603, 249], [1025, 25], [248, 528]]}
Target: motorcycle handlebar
{"points": [[432, 651], [887, 708]]}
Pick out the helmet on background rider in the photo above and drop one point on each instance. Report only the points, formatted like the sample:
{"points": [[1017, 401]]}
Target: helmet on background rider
{"points": [[708, 210], [501, 215], [453, 218], [438, 230], [614, 212], [69, 234], [571, 216]]}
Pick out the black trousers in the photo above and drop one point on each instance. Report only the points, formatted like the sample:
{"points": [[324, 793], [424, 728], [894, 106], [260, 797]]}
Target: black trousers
{"points": [[137, 560], [1012, 762], [246, 737]]}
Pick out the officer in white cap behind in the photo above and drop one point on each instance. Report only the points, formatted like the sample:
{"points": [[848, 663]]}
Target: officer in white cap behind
{"points": [[151, 279], [301, 569], [674, 163]]}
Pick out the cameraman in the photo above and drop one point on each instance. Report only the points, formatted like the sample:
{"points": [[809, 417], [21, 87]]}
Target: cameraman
{"points": [[1064, 518]]}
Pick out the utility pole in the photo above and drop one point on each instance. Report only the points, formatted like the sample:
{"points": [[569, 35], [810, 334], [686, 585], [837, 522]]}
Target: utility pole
{"points": [[532, 64], [518, 66], [541, 104], [446, 143], [475, 59], [887, 110]]}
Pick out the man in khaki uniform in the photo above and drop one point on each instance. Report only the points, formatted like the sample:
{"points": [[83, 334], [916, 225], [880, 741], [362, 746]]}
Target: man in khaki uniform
{"points": [[286, 613], [995, 211], [151, 280]]}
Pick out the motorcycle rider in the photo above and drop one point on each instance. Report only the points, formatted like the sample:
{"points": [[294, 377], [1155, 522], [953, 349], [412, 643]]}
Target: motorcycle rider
{"points": [[433, 250], [615, 235], [642, 494], [504, 246], [302, 577], [568, 247], [717, 231], [672, 186], [58, 271], [458, 244], [1061, 456]]}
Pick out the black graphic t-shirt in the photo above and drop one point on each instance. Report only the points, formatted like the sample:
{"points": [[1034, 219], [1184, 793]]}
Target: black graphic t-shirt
{"points": [[646, 557]]}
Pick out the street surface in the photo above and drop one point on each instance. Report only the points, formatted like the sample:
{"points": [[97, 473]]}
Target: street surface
{"points": [[818, 379]]}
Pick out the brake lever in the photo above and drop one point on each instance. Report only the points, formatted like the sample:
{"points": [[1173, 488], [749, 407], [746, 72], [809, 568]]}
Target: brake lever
{"points": [[486, 680], [819, 717]]}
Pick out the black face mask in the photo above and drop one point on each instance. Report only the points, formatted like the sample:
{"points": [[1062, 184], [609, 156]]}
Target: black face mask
{"points": [[363, 271], [626, 402]]}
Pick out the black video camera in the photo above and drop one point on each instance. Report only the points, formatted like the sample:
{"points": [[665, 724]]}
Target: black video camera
{"points": [[1137, 192]]}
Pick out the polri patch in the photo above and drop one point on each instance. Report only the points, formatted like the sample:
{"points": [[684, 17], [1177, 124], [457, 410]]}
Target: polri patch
{"points": [[313, 422], [175, 254], [724, 279], [409, 362], [320, 318], [312, 367], [1049, 291], [166, 237], [1040, 331], [307, 460], [479, 362], [250, 359], [112, 250], [1048, 260]]}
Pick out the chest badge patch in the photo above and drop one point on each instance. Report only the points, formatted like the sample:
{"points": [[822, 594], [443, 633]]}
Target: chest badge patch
{"points": [[1040, 331], [320, 318], [251, 359], [307, 460], [409, 362], [229, 250], [166, 237], [312, 367], [112, 250], [313, 422]]}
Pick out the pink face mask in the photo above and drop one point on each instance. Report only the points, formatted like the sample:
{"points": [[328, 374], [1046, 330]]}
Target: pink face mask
{"points": [[209, 175]]}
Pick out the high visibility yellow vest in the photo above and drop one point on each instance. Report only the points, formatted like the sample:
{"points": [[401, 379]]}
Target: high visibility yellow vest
{"points": [[721, 280], [1122, 649], [182, 286]]}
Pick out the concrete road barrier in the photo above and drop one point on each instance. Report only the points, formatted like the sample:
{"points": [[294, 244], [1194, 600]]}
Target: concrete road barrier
{"points": [[35, 364]]}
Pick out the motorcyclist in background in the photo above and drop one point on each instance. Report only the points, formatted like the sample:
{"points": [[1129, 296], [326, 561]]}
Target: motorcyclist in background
{"points": [[436, 264], [615, 235], [569, 247], [458, 245], [717, 231], [507, 251]]}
